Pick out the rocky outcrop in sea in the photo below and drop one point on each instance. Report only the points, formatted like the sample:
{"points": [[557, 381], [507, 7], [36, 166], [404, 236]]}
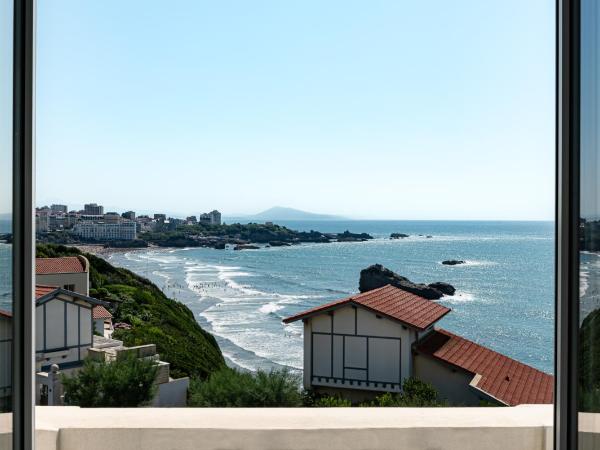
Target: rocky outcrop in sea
{"points": [[377, 276]]}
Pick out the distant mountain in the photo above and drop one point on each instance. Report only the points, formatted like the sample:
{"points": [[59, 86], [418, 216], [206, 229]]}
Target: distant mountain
{"points": [[282, 213]]}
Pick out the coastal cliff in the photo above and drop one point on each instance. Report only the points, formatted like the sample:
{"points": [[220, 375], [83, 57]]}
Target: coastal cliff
{"points": [[150, 316]]}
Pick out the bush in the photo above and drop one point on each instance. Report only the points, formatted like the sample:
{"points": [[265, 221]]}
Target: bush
{"points": [[128, 382], [231, 387], [331, 402], [415, 393]]}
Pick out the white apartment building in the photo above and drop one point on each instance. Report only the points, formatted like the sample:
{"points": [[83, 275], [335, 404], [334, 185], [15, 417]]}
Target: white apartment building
{"points": [[101, 231]]}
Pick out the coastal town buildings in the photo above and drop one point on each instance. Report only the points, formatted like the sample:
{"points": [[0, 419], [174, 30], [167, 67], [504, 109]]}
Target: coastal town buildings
{"points": [[112, 217], [59, 209], [371, 342], [42, 223], [211, 218], [93, 209], [101, 231], [129, 215]]}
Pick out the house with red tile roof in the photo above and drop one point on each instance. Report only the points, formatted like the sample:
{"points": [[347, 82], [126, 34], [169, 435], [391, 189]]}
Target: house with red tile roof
{"points": [[102, 321], [69, 272], [64, 326], [371, 342]]}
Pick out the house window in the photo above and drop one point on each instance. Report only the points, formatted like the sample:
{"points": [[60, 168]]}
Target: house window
{"points": [[69, 287]]}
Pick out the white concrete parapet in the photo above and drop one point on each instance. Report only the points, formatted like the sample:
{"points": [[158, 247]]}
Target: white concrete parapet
{"points": [[70, 428]]}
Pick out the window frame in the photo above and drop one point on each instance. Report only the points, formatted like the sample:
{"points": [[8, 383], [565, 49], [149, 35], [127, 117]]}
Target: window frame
{"points": [[567, 213], [567, 223], [23, 226]]}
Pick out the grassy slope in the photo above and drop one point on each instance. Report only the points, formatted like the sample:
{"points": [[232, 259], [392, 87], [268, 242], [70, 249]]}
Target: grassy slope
{"points": [[155, 318]]}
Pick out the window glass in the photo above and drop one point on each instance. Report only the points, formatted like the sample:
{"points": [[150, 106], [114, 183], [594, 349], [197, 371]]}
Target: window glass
{"points": [[6, 63], [589, 278]]}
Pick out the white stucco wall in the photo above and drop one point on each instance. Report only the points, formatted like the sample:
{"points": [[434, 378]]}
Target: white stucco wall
{"points": [[53, 332], [451, 384], [385, 359], [80, 280], [69, 428]]}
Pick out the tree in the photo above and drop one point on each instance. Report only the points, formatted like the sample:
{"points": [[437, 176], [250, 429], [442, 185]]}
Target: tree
{"points": [[127, 382]]}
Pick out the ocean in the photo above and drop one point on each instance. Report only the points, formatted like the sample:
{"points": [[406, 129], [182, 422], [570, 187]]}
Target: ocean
{"points": [[504, 298]]}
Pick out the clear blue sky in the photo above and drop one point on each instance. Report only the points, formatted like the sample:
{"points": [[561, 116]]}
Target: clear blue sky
{"points": [[6, 67], [379, 109]]}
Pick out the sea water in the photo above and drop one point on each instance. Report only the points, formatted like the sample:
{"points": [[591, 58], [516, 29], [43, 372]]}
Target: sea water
{"points": [[504, 298]]}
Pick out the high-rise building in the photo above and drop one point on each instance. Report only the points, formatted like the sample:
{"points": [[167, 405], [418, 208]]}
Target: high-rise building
{"points": [[160, 217], [59, 208], [211, 218], [93, 209], [112, 217], [129, 215], [42, 223]]}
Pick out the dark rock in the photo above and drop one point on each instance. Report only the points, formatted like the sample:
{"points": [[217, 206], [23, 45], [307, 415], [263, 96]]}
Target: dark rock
{"points": [[444, 288], [246, 247], [279, 244], [428, 236], [398, 236], [377, 276], [452, 262], [347, 236]]}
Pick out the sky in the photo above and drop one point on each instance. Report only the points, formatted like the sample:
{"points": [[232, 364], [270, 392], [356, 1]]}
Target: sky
{"points": [[369, 110], [6, 69]]}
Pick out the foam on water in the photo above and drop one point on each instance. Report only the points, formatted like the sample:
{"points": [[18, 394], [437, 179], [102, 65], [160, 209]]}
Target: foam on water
{"points": [[504, 295], [458, 297]]}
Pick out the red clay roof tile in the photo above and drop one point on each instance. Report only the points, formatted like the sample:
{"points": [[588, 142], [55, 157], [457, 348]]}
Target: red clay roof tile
{"points": [[66, 264], [41, 290], [504, 378], [389, 301], [100, 312]]}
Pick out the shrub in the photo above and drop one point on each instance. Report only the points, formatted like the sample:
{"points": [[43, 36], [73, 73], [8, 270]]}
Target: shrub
{"points": [[231, 387], [128, 382], [414, 393], [332, 402]]}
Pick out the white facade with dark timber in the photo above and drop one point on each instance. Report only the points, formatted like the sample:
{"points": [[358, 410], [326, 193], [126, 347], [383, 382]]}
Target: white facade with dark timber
{"points": [[351, 347], [364, 342], [64, 327]]}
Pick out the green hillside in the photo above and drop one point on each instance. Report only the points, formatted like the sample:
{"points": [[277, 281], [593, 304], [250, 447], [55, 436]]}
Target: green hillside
{"points": [[155, 318]]}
